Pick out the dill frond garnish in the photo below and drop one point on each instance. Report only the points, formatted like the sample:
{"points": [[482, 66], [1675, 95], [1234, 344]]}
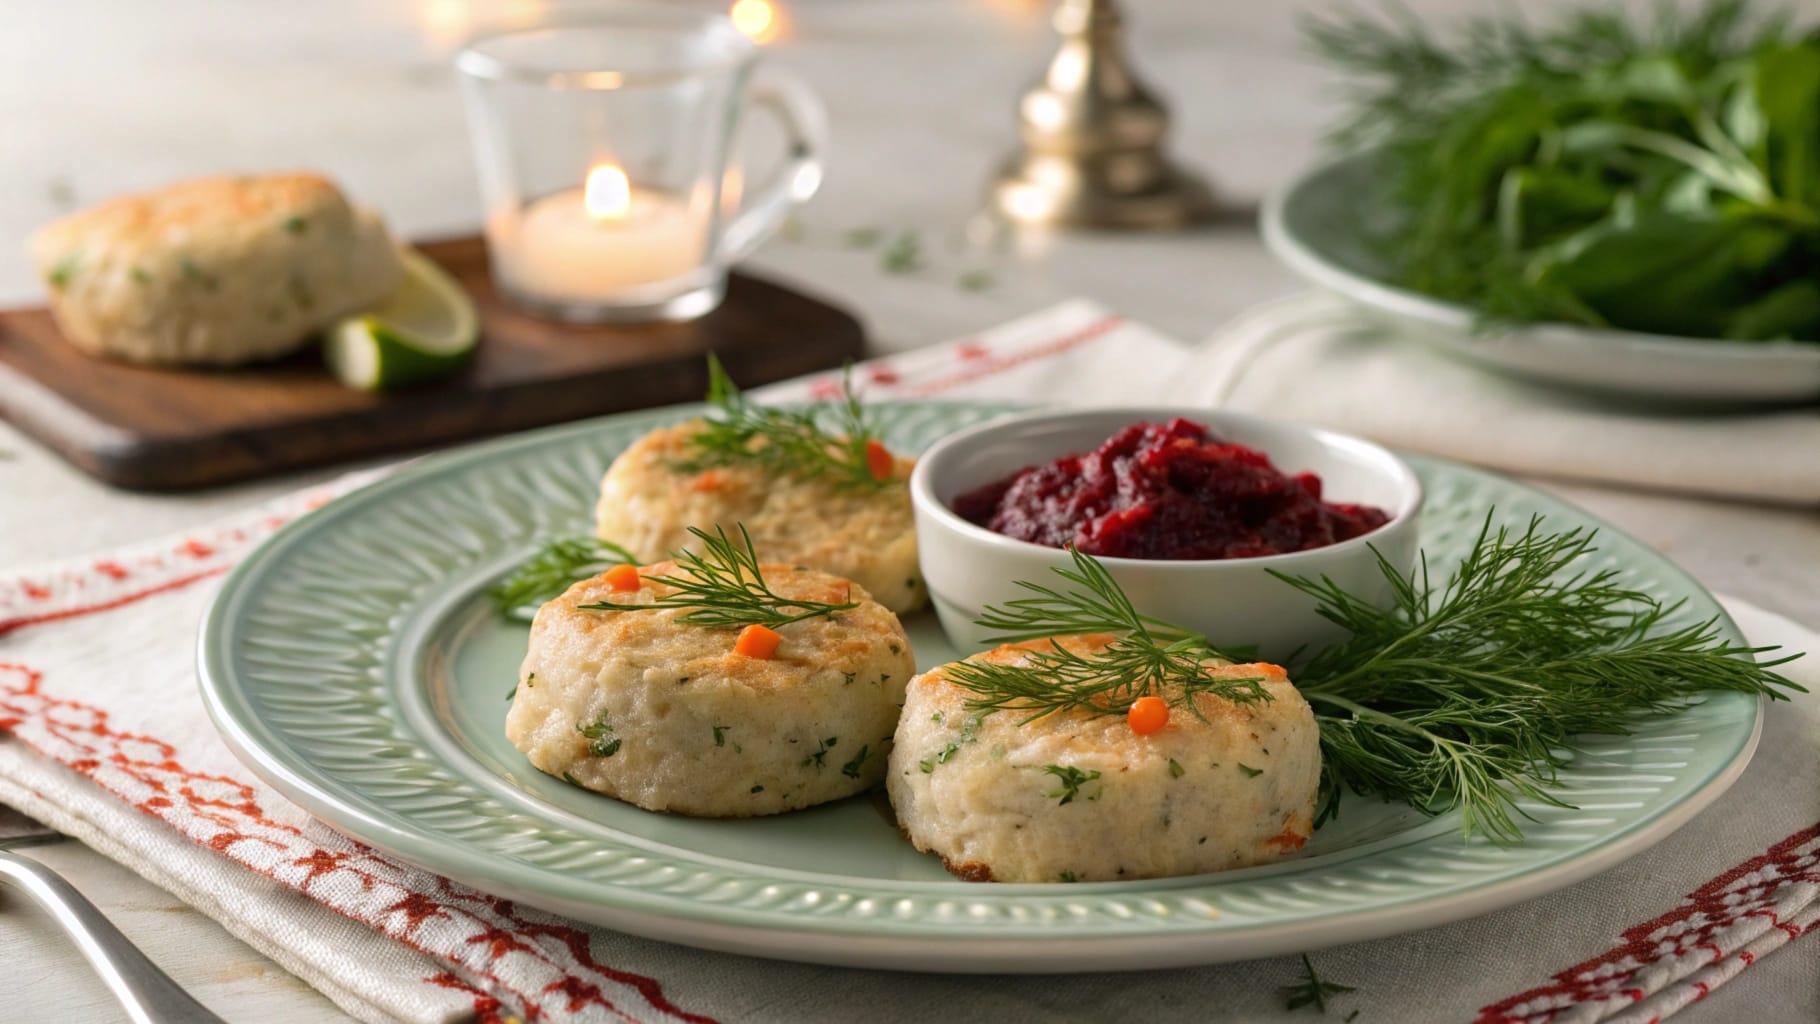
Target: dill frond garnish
{"points": [[1470, 694], [786, 442], [1312, 990], [723, 588], [1150, 658], [551, 571]]}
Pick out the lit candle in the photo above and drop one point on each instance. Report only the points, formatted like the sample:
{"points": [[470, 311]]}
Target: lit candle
{"points": [[602, 241]]}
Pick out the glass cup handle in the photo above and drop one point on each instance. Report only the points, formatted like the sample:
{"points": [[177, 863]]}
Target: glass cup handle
{"points": [[806, 125]]}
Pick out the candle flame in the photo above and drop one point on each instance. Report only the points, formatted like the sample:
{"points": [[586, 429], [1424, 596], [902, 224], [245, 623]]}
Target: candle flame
{"points": [[757, 19], [608, 195]]}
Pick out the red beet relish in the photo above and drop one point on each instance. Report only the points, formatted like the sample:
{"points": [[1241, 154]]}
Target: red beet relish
{"points": [[1166, 491]]}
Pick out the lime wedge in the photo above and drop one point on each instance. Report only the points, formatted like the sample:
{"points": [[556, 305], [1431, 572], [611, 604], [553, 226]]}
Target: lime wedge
{"points": [[426, 329]]}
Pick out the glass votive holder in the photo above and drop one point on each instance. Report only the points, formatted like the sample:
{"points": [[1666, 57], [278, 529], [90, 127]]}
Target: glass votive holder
{"points": [[603, 147]]}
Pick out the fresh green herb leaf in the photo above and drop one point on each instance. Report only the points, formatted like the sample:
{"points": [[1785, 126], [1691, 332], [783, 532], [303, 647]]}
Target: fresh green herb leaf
{"points": [[551, 571], [821, 752], [851, 768], [756, 789], [1311, 990], [600, 733], [720, 735], [785, 442], [904, 255], [1066, 876], [296, 225], [976, 281], [1250, 772], [1176, 770], [513, 692], [1072, 779], [64, 271], [861, 238], [723, 588], [571, 780], [926, 765], [1152, 658]]}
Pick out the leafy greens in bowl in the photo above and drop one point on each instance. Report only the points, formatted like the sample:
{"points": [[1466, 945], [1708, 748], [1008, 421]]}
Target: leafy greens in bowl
{"points": [[1608, 179]]}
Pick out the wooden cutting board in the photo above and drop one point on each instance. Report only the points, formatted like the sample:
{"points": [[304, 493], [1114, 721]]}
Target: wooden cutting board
{"points": [[166, 430]]}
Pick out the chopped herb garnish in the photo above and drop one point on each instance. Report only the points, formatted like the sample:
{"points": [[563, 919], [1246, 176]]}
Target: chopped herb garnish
{"points": [[904, 255], [895, 649], [851, 768], [926, 765], [1311, 990], [969, 727], [599, 732], [139, 276], [65, 271], [1250, 772], [756, 789], [513, 692], [296, 225], [1176, 770], [723, 588], [1072, 780], [570, 779], [1067, 876], [720, 735], [862, 238], [785, 442], [976, 281], [850, 676], [821, 753]]}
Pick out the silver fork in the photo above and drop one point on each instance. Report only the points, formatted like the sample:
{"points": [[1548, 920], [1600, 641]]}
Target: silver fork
{"points": [[148, 994]]}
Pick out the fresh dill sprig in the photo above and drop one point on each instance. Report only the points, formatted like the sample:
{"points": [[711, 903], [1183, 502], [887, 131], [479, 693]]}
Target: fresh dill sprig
{"points": [[551, 571], [785, 442], [1470, 694], [723, 588], [1149, 658], [1311, 990]]}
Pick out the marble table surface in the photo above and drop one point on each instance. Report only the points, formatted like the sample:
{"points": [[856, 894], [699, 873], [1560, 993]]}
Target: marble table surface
{"points": [[102, 96]]}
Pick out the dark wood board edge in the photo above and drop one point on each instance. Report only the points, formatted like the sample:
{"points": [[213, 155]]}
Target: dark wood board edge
{"points": [[173, 464]]}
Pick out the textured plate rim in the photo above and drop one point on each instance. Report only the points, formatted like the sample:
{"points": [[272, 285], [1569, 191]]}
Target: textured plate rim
{"points": [[874, 941]]}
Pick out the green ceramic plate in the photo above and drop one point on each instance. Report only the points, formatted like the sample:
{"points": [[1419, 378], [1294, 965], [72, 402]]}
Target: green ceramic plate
{"points": [[354, 664]]}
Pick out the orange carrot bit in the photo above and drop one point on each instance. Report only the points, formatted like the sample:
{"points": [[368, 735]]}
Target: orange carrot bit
{"points": [[623, 577], [757, 641], [879, 461], [1147, 715]]}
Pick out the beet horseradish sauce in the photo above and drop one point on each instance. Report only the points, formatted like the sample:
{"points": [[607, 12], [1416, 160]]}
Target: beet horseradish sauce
{"points": [[1166, 491]]}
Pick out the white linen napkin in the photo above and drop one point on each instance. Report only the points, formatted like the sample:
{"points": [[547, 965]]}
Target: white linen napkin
{"points": [[103, 736], [1312, 358]]}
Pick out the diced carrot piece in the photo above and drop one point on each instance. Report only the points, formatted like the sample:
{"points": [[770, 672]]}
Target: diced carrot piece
{"points": [[879, 461], [1147, 715], [757, 641], [623, 577]]}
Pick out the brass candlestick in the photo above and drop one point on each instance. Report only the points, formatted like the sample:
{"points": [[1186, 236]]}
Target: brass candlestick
{"points": [[1093, 139]]}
